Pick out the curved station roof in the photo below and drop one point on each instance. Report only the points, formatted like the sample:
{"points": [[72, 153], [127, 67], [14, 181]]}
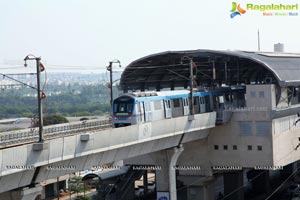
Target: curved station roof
{"points": [[210, 67]]}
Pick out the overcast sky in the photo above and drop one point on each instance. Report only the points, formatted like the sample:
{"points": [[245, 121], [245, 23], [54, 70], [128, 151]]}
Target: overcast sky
{"points": [[91, 33]]}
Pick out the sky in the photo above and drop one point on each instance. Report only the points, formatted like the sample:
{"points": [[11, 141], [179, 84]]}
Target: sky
{"points": [[84, 35]]}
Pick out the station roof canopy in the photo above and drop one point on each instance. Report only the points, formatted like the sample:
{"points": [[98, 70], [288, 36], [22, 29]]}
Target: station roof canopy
{"points": [[106, 174], [210, 67]]}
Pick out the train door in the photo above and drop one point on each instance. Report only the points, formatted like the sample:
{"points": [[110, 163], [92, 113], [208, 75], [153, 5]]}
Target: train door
{"points": [[207, 103], [140, 112], [196, 105], [148, 111], [177, 107], [186, 109], [168, 110], [202, 105], [221, 102]]}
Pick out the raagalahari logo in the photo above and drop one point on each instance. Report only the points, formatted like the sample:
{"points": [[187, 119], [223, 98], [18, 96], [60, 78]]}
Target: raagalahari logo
{"points": [[236, 10], [266, 9]]}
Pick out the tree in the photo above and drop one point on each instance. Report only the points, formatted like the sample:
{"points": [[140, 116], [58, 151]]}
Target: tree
{"points": [[75, 185]]}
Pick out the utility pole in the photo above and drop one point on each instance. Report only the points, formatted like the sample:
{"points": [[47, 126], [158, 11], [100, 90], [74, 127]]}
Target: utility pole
{"points": [[40, 95], [191, 87], [109, 68], [258, 40], [191, 81]]}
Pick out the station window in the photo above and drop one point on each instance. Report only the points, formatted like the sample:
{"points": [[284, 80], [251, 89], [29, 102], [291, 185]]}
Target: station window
{"points": [[252, 94], [216, 147], [245, 127], [249, 147], [225, 147], [234, 147], [259, 148], [261, 94]]}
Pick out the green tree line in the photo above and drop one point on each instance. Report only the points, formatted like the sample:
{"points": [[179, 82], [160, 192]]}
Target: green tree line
{"points": [[91, 100]]}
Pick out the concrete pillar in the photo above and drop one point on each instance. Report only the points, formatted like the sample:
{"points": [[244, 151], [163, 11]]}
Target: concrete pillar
{"points": [[55, 189], [145, 182], [172, 172], [43, 192], [233, 185], [166, 177]]}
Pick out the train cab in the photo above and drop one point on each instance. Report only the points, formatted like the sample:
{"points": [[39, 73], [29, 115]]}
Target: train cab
{"points": [[123, 107]]}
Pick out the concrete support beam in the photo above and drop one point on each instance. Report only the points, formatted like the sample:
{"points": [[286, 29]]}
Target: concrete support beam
{"points": [[22, 194]]}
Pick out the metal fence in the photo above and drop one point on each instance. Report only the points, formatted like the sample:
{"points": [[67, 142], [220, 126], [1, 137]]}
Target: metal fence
{"points": [[12, 138]]}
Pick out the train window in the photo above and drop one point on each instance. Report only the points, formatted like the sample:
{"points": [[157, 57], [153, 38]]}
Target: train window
{"points": [[176, 103], [157, 105], [115, 107], [123, 107], [221, 99], [227, 99], [168, 104], [129, 107], [186, 102]]}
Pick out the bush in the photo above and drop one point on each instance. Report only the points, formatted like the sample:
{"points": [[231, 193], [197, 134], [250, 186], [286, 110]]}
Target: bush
{"points": [[54, 119], [83, 198]]}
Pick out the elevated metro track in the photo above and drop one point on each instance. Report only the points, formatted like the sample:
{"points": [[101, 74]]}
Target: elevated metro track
{"points": [[77, 150], [19, 137]]}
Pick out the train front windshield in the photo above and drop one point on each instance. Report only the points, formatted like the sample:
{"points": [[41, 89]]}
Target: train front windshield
{"points": [[123, 106]]}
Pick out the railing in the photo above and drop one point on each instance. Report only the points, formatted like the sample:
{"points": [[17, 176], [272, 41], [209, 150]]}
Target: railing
{"points": [[30, 135]]}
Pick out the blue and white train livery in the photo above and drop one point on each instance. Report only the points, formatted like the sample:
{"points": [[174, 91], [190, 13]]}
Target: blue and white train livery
{"points": [[134, 108]]}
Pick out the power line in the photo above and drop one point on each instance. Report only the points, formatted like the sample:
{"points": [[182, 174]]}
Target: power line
{"points": [[4, 75], [53, 66], [283, 183]]}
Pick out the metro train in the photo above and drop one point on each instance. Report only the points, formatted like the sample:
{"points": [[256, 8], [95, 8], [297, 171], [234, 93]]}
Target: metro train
{"points": [[139, 107]]}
